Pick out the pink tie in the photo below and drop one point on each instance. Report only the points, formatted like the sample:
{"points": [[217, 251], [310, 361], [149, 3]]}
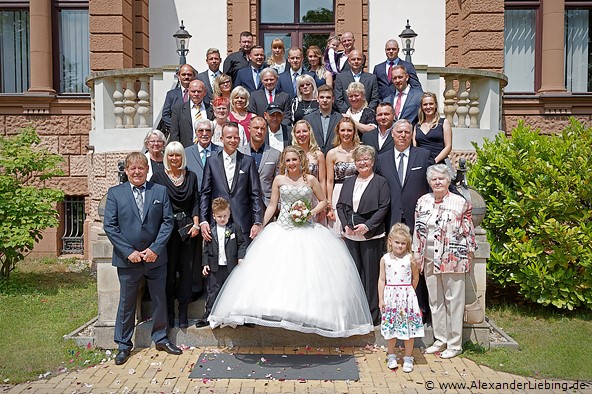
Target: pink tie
{"points": [[390, 69], [398, 105], [185, 95]]}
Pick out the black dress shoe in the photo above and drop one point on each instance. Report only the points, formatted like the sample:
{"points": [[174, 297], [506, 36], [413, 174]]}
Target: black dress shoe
{"points": [[122, 357], [169, 347], [201, 323]]}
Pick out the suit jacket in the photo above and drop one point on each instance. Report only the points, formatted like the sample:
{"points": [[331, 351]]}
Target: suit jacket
{"points": [[341, 83], [386, 88], [244, 78], [373, 207], [235, 247], [286, 133], [268, 167], [371, 138], [205, 78], [258, 104], [245, 194], [193, 161], [285, 82], [411, 107], [127, 232], [314, 119], [404, 197], [173, 97], [234, 62], [182, 123]]}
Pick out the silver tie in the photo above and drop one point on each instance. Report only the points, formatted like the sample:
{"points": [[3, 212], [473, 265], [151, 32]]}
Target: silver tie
{"points": [[401, 169], [139, 200]]}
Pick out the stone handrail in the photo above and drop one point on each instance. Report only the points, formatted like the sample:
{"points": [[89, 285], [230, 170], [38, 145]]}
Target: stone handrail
{"points": [[132, 99]]}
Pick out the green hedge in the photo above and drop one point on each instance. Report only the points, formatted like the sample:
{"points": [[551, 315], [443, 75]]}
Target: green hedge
{"points": [[538, 191]]}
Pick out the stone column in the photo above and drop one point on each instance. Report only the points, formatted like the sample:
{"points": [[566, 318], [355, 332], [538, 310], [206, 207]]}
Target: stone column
{"points": [[40, 48], [552, 55]]}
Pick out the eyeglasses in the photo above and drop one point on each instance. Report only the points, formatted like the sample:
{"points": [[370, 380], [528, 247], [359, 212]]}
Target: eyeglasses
{"points": [[202, 131], [157, 142]]}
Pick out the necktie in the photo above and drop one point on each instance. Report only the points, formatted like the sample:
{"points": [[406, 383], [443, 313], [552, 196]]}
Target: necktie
{"points": [[229, 171], [398, 105], [204, 155], [185, 95], [270, 98], [390, 69], [139, 200], [294, 82], [401, 169], [198, 113], [257, 81]]}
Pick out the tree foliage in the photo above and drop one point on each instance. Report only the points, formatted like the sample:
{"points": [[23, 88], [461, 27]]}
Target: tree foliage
{"points": [[26, 208], [538, 191]]}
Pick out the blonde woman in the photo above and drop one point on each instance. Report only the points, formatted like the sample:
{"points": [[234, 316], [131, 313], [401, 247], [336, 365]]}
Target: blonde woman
{"points": [[239, 101], [277, 60], [315, 63], [305, 101], [432, 132], [222, 86]]}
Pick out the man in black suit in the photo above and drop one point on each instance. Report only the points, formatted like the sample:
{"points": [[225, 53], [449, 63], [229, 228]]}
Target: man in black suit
{"points": [[287, 79], [357, 74], [348, 41], [239, 59], [406, 100], [324, 120], [207, 77], [405, 170], [250, 77], [260, 99], [196, 156], [266, 157], [278, 135], [175, 96], [383, 70], [138, 222], [185, 116], [233, 176], [381, 138]]}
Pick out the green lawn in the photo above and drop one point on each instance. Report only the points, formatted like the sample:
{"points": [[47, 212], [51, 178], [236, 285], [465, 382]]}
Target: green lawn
{"points": [[44, 300], [553, 344]]}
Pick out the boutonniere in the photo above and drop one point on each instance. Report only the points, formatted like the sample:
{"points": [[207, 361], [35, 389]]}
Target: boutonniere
{"points": [[227, 233]]}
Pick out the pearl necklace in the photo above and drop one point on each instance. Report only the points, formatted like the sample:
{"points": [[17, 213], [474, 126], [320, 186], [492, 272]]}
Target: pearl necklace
{"points": [[176, 180]]}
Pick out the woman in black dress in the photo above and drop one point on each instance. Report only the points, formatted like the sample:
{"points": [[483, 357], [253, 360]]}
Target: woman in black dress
{"points": [[432, 132], [306, 97], [182, 189]]}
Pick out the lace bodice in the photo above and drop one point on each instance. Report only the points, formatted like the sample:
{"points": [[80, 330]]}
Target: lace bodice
{"points": [[344, 169], [313, 169], [288, 195]]}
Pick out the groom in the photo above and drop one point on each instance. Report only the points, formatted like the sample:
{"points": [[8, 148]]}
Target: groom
{"points": [[233, 176]]}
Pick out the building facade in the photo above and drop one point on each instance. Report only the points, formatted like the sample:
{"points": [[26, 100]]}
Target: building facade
{"points": [[49, 47]]}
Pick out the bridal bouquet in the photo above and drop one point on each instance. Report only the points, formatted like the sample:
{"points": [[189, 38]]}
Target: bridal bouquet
{"points": [[300, 212]]}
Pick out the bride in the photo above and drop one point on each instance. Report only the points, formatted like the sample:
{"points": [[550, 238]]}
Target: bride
{"points": [[296, 275]]}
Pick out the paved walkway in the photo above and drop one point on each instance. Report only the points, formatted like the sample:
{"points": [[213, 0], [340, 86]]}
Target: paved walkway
{"points": [[150, 371]]}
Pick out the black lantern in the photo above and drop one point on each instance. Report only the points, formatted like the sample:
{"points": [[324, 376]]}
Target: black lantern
{"points": [[408, 41], [182, 37]]}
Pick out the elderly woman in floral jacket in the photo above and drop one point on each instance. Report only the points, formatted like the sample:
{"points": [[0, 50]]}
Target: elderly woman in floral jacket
{"points": [[443, 244]]}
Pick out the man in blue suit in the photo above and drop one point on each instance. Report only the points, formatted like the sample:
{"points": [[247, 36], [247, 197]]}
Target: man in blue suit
{"points": [[287, 79], [406, 100], [138, 222], [248, 77], [381, 70]]}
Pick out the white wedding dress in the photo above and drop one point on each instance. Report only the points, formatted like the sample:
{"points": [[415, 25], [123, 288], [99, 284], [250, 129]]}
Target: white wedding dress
{"points": [[298, 278]]}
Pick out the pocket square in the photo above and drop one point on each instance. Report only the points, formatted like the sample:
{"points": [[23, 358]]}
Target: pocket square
{"points": [[157, 202], [241, 172], [232, 236], [416, 168], [270, 162]]}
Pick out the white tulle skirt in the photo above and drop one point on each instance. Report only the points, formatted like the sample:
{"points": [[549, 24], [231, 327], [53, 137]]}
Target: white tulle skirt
{"points": [[300, 279]]}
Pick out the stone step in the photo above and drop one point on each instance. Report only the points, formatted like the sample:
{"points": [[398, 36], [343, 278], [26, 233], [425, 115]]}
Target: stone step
{"points": [[259, 336]]}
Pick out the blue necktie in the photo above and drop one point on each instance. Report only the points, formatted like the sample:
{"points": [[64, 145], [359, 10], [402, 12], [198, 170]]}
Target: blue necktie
{"points": [[139, 200]]}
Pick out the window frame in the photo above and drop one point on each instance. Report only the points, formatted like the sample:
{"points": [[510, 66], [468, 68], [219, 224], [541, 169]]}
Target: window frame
{"points": [[18, 5], [538, 39], [575, 5], [296, 29]]}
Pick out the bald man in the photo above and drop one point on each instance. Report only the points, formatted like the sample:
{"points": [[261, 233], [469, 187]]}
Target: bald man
{"points": [[355, 73], [186, 115], [175, 96], [381, 70]]}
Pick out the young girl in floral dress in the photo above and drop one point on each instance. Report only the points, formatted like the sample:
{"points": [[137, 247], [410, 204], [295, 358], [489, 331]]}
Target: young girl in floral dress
{"points": [[401, 316]]}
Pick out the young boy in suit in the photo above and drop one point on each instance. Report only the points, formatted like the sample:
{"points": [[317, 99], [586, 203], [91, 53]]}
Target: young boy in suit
{"points": [[220, 255]]}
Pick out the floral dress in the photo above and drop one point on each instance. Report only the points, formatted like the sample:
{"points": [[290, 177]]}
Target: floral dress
{"points": [[402, 316]]}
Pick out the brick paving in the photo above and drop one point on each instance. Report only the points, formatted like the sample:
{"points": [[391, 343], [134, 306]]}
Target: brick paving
{"points": [[150, 371]]}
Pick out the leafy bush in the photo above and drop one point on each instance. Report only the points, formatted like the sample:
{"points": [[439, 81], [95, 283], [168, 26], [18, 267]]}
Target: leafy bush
{"points": [[538, 191], [26, 209]]}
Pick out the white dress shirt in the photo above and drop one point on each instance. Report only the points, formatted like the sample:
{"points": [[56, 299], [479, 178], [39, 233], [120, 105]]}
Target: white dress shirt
{"points": [[229, 166], [221, 247], [405, 160], [276, 140]]}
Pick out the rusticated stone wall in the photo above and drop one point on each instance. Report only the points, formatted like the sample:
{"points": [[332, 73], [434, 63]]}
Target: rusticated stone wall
{"points": [[66, 135], [553, 124]]}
